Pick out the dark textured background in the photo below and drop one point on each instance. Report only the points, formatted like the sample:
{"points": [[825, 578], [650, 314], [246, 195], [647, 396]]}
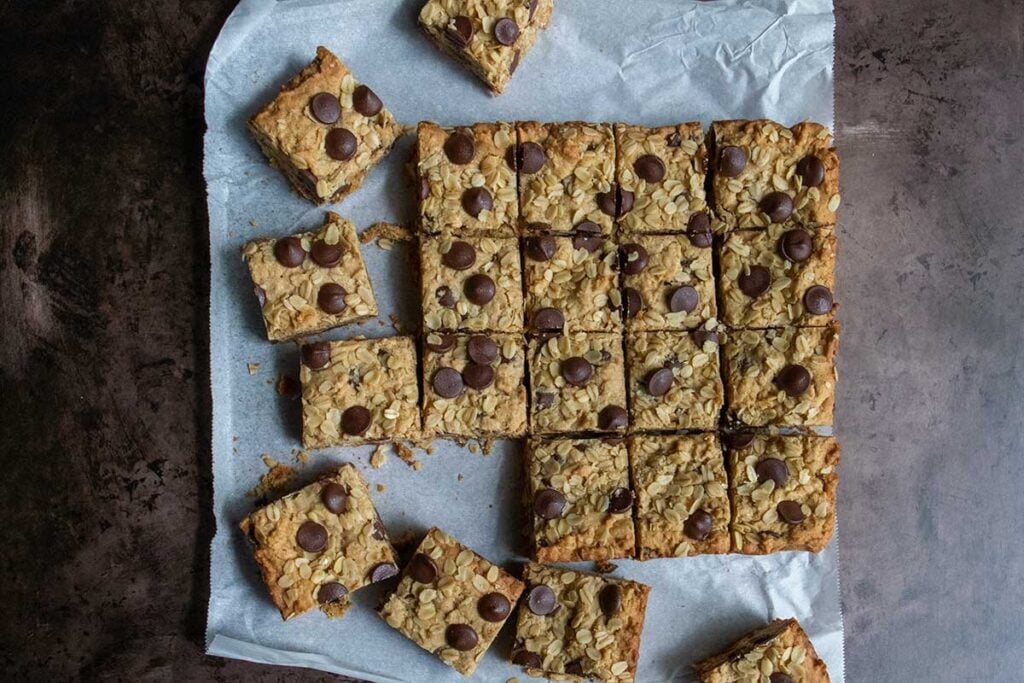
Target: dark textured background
{"points": [[103, 314]]}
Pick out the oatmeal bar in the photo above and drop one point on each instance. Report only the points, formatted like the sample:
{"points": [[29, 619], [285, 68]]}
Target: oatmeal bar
{"points": [[310, 282], [566, 177], [668, 283], [682, 505], [574, 625], [489, 37], [777, 277], [663, 170], [578, 384], [581, 503], [474, 385], [324, 130], [451, 601], [359, 391], [766, 173], [471, 284], [781, 376], [467, 184], [674, 380], [783, 490], [571, 284], [318, 545], [775, 653]]}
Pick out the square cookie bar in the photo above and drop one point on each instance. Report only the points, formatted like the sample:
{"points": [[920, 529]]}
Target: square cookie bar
{"points": [[778, 651], [320, 544], [359, 391], [474, 385], [566, 177], [574, 625], [682, 505], [578, 384], [782, 376], [471, 285], [668, 283], [451, 601], [467, 183], [572, 284], [325, 130], [783, 490], [580, 499], [662, 170], [766, 173], [310, 282], [488, 37], [777, 277], [674, 380]]}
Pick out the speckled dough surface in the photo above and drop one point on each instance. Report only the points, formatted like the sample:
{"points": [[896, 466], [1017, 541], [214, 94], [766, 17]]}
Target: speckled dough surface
{"points": [[780, 648]]}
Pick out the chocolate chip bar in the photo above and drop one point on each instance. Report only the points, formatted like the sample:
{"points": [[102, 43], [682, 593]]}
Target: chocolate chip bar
{"points": [[451, 601], [668, 283], [310, 282], [580, 499], [779, 652], [325, 130], [320, 544]]}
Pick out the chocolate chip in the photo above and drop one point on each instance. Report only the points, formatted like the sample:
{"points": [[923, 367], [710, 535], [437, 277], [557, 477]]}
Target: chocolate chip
{"points": [[607, 202], [515, 62], [482, 349], [702, 337], [650, 168], [325, 255], [633, 302], [424, 188], [544, 399], [460, 31], [476, 200], [479, 289], [793, 379], [334, 497], [527, 659], [383, 572], [772, 468], [316, 355], [261, 295], [355, 420], [818, 300], [533, 8], [461, 256], [549, 504], [461, 636], [625, 199], [612, 417], [447, 382], [659, 381], [738, 440], [548, 320], [506, 31], [366, 102], [493, 607], [778, 206], [634, 258], [731, 161], [683, 299], [311, 537], [698, 525], [790, 511], [422, 569], [610, 599], [811, 170], [796, 245], [756, 282], [477, 376], [289, 252], [620, 500], [331, 592], [379, 532], [779, 677], [541, 600], [673, 140], [325, 107], [587, 237], [698, 230], [340, 144], [444, 343], [575, 667], [445, 297], [331, 298], [577, 371], [459, 148], [540, 248], [531, 157]]}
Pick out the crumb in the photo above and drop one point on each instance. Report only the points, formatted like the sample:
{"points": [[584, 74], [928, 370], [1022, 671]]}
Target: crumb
{"points": [[386, 234], [276, 478], [253, 367], [460, 477], [605, 567], [487, 446], [396, 323], [474, 447], [288, 387], [379, 457], [417, 465], [252, 222], [512, 680], [301, 457], [380, 488], [406, 454]]}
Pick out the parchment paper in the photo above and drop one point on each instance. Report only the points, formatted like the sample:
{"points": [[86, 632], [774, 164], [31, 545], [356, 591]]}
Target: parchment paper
{"points": [[647, 61]]}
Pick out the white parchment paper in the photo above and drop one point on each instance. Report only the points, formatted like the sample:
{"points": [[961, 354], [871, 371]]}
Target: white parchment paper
{"points": [[645, 61]]}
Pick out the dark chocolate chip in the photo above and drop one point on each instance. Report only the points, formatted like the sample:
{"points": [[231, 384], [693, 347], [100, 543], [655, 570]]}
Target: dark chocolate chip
{"points": [[340, 144], [698, 230], [811, 170], [366, 102], [355, 420], [477, 376], [527, 659], [311, 537], [493, 607], [772, 468], [544, 399], [650, 168], [701, 337], [698, 525], [316, 355], [612, 417], [533, 8], [476, 200], [620, 500], [331, 298], [731, 161], [683, 299], [379, 532], [738, 440], [756, 282], [790, 511], [506, 31], [577, 371], [818, 300], [796, 245], [447, 382], [444, 343], [461, 636], [610, 599], [587, 237], [659, 381], [325, 107], [479, 289], [778, 206], [548, 320], [422, 569], [779, 677], [289, 252], [793, 379], [325, 255], [606, 201], [383, 572], [625, 202], [461, 256], [634, 302], [515, 62], [540, 248], [673, 140], [531, 157], [331, 592], [549, 504], [460, 31], [482, 349], [334, 497], [575, 668], [459, 148], [541, 600], [445, 296], [634, 258]]}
